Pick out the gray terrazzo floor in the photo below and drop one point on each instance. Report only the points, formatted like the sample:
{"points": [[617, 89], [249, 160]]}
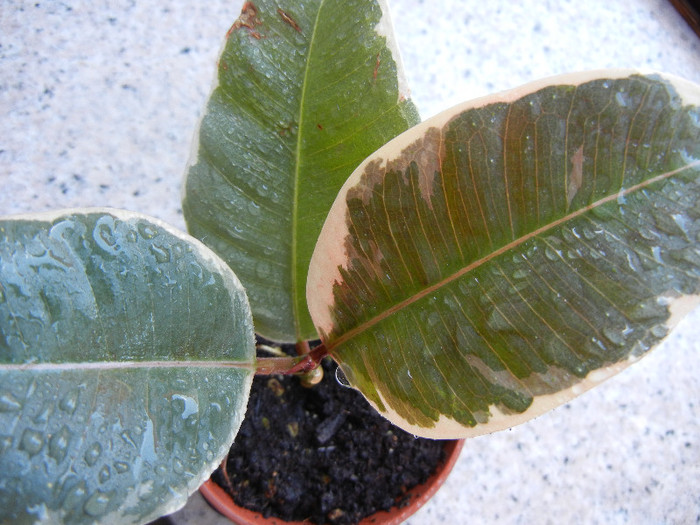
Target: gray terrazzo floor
{"points": [[98, 104]]}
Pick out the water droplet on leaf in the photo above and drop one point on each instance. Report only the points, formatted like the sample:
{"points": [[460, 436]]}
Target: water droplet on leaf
{"points": [[254, 209], [344, 374], [433, 318], [70, 401], [8, 403], [614, 335], [121, 467], [178, 467], [146, 231], [520, 273], [188, 405], [161, 253], [32, 442], [44, 414], [5, 443], [74, 496], [551, 254], [104, 235], [96, 505], [126, 436], [104, 474], [93, 453], [58, 444]]}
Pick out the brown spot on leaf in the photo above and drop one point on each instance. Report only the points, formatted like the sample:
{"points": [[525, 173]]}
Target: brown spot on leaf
{"points": [[289, 20], [376, 68], [575, 175], [288, 129], [248, 19], [424, 152]]}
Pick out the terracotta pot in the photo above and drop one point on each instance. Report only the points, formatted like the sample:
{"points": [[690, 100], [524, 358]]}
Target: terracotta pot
{"points": [[417, 497]]}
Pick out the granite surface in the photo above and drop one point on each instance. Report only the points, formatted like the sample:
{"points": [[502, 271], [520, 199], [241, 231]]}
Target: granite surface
{"points": [[98, 105]]}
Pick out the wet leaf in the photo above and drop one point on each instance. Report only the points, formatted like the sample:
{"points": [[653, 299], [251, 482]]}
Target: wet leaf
{"points": [[126, 356], [304, 94], [505, 256]]}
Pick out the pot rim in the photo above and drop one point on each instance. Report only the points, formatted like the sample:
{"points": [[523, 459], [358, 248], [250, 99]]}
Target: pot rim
{"points": [[417, 497]]}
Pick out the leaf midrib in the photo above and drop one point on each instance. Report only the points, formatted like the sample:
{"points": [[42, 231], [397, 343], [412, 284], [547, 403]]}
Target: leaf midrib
{"points": [[122, 365], [350, 334], [295, 201]]}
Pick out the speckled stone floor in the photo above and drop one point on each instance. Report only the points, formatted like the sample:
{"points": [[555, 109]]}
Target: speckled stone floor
{"points": [[98, 105]]}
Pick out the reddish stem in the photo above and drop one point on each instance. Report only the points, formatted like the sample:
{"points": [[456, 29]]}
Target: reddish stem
{"points": [[291, 365], [302, 347]]}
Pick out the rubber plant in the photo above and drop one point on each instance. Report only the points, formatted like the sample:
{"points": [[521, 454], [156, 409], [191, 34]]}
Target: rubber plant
{"points": [[482, 267]]}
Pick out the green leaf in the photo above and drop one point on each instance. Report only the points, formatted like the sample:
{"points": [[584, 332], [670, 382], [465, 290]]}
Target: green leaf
{"points": [[505, 256], [305, 92], [126, 358]]}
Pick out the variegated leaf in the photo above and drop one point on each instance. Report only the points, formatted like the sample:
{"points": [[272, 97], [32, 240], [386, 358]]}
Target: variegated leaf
{"points": [[306, 90], [510, 253], [126, 358]]}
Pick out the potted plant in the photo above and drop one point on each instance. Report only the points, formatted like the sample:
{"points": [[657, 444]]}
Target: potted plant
{"points": [[291, 144], [327, 457], [128, 345]]}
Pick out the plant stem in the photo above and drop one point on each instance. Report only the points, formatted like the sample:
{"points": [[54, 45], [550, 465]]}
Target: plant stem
{"points": [[291, 365], [302, 347], [313, 376]]}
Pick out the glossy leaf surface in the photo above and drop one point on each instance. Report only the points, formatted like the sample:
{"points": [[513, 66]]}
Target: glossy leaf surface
{"points": [[304, 94], [506, 255], [126, 357]]}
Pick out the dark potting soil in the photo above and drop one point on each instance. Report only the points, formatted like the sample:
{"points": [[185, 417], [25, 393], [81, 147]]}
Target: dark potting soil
{"points": [[322, 454]]}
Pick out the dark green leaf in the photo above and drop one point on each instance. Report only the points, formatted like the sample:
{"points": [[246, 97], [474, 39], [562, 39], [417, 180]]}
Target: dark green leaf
{"points": [[304, 94]]}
